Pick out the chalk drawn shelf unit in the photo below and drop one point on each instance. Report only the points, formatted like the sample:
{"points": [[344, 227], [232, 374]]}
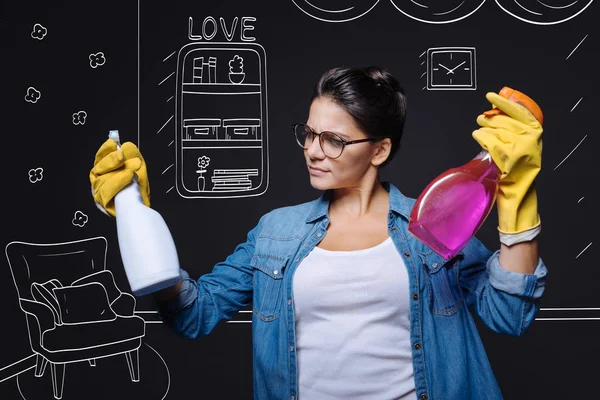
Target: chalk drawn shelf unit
{"points": [[221, 120]]}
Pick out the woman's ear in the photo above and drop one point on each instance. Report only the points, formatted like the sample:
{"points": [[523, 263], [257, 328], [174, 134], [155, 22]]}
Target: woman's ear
{"points": [[382, 152]]}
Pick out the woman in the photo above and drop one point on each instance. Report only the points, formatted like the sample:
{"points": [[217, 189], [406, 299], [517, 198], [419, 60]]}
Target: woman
{"points": [[347, 304]]}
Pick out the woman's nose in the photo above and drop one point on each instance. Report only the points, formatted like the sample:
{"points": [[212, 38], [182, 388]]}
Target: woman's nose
{"points": [[314, 150]]}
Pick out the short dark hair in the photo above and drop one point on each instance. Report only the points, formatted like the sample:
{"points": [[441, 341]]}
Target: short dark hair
{"points": [[372, 96]]}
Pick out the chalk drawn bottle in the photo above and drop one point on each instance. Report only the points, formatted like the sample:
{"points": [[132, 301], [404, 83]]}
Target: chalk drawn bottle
{"points": [[453, 206], [147, 248]]}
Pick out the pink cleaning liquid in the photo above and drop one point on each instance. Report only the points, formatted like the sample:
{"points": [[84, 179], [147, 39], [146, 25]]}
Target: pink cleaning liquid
{"points": [[454, 205]]}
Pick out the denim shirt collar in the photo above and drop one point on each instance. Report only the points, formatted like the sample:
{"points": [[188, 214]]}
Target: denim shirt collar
{"points": [[398, 204]]}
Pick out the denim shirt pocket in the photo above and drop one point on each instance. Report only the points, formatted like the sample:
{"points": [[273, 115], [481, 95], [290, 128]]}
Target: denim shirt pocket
{"points": [[268, 283], [441, 275]]}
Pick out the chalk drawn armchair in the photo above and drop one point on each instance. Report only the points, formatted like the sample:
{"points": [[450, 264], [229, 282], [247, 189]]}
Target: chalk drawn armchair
{"points": [[73, 309]]}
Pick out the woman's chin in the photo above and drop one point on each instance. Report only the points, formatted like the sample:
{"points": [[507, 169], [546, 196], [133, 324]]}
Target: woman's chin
{"points": [[319, 183]]}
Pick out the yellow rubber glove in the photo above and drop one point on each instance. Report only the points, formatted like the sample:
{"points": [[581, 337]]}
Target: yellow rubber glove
{"points": [[113, 170], [515, 143]]}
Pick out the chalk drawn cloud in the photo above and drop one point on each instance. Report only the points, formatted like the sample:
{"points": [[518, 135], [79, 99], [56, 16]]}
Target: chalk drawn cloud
{"points": [[80, 219], [36, 174], [39, 32], [33, 95], [97, 60], [79, 118]]}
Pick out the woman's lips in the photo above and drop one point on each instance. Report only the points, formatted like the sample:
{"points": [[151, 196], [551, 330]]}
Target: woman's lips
{"points": [[316, 171]]}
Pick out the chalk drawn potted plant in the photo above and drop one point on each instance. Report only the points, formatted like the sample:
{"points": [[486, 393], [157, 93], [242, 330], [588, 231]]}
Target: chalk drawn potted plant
{"points": [[236, 69], [203, 163]]}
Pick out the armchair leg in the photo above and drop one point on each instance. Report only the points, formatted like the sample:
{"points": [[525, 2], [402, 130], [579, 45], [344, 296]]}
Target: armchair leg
{"points": [[133, 364], [92, 362], [58, 379], [40, 365]]}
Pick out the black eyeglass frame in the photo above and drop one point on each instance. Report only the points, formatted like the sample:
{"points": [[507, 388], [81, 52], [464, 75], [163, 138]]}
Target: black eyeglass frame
{"points": [[341, 139]]}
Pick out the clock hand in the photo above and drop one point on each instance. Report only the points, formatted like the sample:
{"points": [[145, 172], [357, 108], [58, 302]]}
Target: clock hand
{"points": [[443, 66], [452, 70]]}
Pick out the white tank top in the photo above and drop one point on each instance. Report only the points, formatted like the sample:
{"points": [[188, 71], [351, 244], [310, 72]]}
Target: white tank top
{"points": [[353, 325]]}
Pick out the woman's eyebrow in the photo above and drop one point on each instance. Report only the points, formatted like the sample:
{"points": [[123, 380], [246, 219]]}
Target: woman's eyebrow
{"points": [[342, 135]]}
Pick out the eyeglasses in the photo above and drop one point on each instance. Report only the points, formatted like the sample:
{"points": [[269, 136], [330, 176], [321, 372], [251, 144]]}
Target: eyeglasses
{"points": [[331, 143]]}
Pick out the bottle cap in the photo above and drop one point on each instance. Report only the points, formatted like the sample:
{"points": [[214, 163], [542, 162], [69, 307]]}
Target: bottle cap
{"points": [[519, 98], [114, 135]]}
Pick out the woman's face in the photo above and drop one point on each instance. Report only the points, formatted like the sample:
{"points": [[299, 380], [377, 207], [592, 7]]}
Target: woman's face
{"points": [[349, 169]]}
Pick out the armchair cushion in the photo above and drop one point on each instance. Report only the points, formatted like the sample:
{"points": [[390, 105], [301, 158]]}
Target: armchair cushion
{"points": [[83, 303], [94, 335], [42, 293], [105, 278]]}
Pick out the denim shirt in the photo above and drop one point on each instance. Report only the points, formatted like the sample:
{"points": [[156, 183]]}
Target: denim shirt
{"points": [[449, 360]]}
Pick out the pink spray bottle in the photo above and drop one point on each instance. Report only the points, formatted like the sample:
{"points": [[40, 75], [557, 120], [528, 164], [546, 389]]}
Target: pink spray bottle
{"points": [[453, 206]]}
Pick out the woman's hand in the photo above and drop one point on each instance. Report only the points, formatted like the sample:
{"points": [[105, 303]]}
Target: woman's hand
{"points": [[514, 141], [113, 170]]}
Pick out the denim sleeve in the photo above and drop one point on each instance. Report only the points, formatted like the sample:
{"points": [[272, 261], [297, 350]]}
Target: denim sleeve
{"points": [[215, 296], [506, 301]]}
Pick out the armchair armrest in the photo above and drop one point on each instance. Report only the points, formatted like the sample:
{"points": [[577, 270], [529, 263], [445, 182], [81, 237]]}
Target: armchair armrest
{"points": [[124, 305], [41, 312]]}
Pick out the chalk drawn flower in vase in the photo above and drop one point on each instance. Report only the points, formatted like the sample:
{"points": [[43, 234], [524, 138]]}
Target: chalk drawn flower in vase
{"points": [[203, 163], [236, 69]]}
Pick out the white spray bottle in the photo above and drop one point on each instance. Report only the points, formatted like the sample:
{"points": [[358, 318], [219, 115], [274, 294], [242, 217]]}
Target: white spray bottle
{"points": [[147, 248]]}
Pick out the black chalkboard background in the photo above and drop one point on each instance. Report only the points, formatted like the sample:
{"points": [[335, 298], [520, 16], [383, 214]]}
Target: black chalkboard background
{"points": [[138, 80]]}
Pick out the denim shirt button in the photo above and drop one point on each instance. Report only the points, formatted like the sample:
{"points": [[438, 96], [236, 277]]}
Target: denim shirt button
{"points": [[275, 272], [292, 398], [289, 301], [423, 396], [319, 234], [407, 254], [415, 296], [291, 348], [434, 265], [417, 346]]}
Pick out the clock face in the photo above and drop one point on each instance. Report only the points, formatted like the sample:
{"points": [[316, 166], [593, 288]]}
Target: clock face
{"points": [[451, 68], [544, 12], [437, 11], [335, 10]]}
